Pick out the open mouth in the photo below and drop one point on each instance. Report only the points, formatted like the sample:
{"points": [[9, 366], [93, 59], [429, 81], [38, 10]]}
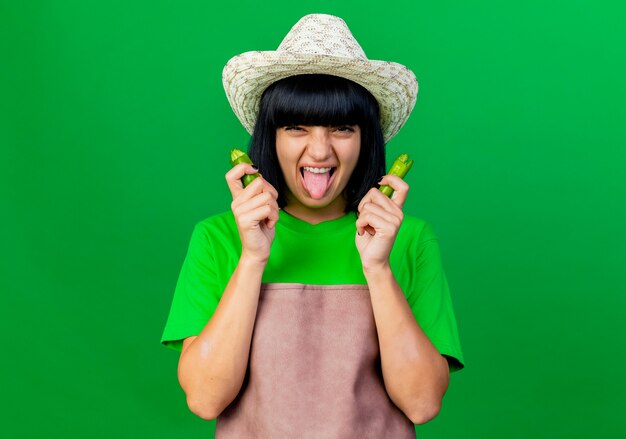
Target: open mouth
{"points": [[317, 181]]}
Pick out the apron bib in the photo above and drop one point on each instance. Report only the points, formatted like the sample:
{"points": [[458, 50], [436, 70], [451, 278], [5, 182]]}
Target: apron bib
{"points": [[314, 370]]}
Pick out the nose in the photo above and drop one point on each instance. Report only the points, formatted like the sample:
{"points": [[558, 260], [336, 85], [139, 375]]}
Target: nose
{"points": [[319, 146]]}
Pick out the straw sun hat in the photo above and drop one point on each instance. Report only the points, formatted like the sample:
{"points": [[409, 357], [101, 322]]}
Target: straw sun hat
{"points": [[320, 43]]}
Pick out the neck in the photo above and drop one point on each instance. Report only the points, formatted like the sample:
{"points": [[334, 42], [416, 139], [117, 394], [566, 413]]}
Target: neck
{"points": [[315, 215]]}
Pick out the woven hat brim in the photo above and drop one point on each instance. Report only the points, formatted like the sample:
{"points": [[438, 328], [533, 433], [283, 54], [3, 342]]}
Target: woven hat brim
{"points": [[246, 76]]}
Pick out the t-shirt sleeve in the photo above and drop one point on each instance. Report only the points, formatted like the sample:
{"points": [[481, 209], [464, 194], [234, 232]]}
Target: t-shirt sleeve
{"points": [[197, 292], [430, 300]]}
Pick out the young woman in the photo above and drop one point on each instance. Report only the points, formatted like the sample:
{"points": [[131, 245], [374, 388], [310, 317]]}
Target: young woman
{"points": [[315, 307]]}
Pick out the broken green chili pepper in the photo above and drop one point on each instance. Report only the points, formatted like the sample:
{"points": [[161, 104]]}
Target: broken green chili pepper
{"points": [[236, 157], [400, 167]]}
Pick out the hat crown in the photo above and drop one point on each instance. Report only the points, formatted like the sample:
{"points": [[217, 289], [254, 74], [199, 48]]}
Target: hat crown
{"points": [[320, 44], [322, 34]]}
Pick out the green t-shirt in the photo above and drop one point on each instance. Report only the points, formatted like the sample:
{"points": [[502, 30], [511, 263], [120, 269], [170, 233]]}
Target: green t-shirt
{"points": [[314, 254]]}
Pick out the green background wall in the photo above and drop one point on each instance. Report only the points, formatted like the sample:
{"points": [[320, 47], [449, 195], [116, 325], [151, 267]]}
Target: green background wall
{"points": [[114, 133]]}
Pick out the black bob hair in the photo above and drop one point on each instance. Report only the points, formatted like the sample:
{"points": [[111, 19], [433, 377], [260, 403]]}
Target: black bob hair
{"points": [[319, 100]]}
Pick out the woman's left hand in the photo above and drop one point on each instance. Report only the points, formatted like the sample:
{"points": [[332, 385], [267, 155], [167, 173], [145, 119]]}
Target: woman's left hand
{"points": [[378, 223]]}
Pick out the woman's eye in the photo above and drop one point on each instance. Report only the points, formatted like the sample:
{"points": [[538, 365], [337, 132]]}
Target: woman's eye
{"points": [[345, 129], [293, 128]]}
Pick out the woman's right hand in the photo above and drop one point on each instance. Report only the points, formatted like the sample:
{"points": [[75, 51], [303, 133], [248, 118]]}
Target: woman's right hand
{"points": [[255, 210]]}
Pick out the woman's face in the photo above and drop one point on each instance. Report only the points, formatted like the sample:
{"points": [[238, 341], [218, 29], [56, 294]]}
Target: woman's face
{"points": [[317, 163]]}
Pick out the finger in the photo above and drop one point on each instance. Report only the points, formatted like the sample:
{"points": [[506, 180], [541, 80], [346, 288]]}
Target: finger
{"points": [[233, 177], [258, 215], [375, 216], [367, 198], [377, 197], [245, 194], [400, 187], [360, 229], [253, 197], [365, 226], [272, 219], [362, 223], [369, 229], [257, 200], [268, 211], [376, 224], [267, 187], [391, 217]]}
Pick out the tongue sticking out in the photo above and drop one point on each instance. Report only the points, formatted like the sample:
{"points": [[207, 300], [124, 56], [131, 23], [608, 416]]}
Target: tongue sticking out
{"points": [[316, 184]]}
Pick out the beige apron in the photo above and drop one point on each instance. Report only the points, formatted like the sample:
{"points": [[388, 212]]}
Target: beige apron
{"points": [[314, 370]]}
